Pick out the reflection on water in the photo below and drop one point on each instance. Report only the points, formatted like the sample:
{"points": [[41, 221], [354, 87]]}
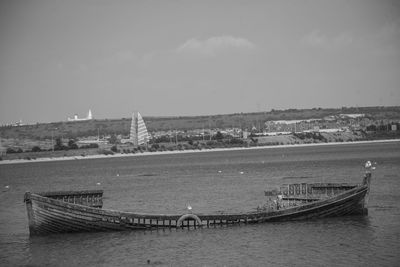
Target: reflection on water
{"points": [[291, 243], [230, 181]]}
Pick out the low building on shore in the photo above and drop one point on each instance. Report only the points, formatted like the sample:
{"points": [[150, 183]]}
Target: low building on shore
{"points": [[76, 118]]}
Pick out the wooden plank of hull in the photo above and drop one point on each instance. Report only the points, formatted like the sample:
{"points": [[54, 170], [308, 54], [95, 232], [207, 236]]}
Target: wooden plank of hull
{"points": [[101, 213], [44, 222], [65, 221]]}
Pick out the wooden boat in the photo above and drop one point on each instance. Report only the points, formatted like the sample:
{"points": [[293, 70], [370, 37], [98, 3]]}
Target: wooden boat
{"points": [[81, 211]]}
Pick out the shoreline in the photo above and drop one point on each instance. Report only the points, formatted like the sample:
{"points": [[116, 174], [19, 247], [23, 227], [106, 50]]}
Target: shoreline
{"points": [[101, 156]]}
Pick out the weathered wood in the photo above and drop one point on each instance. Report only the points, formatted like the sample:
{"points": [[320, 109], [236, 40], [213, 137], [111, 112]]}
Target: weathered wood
{"points": [[77, 211]]}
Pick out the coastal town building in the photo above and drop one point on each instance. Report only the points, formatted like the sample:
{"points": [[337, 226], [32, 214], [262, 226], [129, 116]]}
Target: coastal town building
{"points": [[76, 118]]}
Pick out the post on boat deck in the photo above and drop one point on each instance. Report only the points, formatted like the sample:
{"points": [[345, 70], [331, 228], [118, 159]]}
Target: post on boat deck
{"points": [[367, 176]]}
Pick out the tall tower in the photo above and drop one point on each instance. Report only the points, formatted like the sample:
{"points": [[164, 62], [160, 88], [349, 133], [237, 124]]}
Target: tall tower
{"points": [[138, 134], [89, 116]]}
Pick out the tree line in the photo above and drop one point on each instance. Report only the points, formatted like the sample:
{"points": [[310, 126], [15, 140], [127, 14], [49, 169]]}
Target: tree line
{"points": [[59, 145]]}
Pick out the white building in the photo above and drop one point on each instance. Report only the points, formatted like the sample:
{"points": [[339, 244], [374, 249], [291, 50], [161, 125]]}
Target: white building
{"points": [[88, 117]]}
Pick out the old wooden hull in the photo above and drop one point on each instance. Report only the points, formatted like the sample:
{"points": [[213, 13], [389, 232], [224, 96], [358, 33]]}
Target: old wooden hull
{"points": [[81, 211]]}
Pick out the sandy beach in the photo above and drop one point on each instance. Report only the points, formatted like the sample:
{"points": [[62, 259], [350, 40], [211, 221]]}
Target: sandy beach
{"points": [[99, 156]]}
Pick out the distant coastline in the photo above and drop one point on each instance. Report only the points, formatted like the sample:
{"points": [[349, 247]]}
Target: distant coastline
{"points": [[147, 153]]}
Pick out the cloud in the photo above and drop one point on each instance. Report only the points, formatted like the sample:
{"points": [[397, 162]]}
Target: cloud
{"points": [[116, 58], [314, 38], [343, 39], [390, 30], [318, 39], [83, 67], [214, 44], [124, 55]]}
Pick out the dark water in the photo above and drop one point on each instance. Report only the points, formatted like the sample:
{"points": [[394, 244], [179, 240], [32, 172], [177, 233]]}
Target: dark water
{"points": [[167, 183]]}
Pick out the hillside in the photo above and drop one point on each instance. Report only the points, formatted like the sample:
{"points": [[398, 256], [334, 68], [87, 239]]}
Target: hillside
{"points": [[42, 131]]}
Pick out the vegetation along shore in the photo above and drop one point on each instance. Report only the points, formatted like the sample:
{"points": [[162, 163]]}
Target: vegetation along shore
{"points": [[98, 138], [148, 153]]}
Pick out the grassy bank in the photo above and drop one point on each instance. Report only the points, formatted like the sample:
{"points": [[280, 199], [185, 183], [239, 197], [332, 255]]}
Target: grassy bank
{"points": [[147, 153], [264, 141]]}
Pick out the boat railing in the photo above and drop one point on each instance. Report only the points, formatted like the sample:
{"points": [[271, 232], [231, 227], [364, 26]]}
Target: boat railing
{"points": [[292, 195], [304, 191], [90, 198]]}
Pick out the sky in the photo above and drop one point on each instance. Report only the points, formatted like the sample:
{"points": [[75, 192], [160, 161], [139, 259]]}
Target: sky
{"points": [[184, 57]]}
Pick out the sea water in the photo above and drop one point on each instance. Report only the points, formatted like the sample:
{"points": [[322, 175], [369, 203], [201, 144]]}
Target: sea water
{"points": [[231, 181]]}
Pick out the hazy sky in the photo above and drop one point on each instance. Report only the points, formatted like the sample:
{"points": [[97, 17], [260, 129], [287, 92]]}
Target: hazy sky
{"points": [[58, 58]]}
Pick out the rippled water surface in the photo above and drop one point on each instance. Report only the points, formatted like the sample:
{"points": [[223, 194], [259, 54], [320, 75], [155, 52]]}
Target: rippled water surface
{"points": [[209, 182]]}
